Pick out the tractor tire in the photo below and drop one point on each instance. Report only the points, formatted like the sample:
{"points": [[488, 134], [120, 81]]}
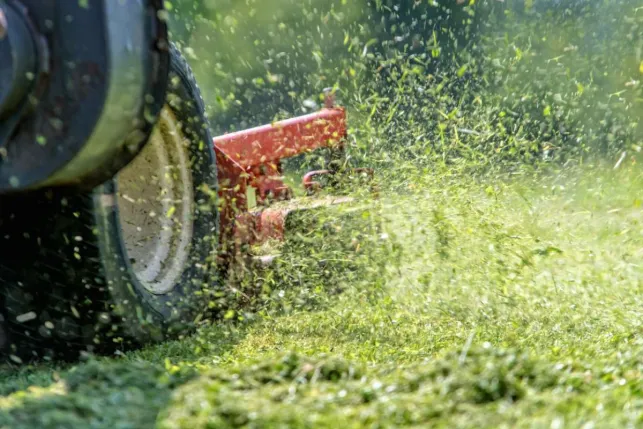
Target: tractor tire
{"points": [[129, 263]]}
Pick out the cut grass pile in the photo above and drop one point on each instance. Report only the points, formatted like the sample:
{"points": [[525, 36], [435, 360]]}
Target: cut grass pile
{"points": [[514, 303]]}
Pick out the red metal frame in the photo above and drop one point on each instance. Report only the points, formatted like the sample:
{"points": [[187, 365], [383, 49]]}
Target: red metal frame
{"points": [[271, 143], [252, 159]]}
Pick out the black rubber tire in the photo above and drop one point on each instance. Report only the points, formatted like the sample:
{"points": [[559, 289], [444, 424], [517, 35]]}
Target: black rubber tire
{"points": [[67, 283]]}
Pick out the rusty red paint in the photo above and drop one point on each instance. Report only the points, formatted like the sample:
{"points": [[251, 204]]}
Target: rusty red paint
{"points": [[268, 181], [284, 139], [252, 159]]}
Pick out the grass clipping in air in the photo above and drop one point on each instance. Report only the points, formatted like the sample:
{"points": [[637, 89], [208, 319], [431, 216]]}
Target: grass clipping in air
{"points": [[473, 293]]}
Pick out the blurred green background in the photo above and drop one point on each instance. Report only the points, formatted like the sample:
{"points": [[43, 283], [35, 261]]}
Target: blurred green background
{"points": [[257, 59], [476, 82]]}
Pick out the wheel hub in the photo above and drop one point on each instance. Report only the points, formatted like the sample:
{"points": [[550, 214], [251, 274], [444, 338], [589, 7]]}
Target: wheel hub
{"points": [[156, 205]]}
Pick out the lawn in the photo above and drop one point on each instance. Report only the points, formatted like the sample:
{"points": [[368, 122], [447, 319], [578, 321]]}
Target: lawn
{"points": [[513, 302]]}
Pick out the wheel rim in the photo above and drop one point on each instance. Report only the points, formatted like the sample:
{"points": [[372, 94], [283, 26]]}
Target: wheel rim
{"points": [[156, 202]]}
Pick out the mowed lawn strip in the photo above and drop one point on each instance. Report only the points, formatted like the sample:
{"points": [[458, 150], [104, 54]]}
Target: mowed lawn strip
{"points": [[501, 304]]}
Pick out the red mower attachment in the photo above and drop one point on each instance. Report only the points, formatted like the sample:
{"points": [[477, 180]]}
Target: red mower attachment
{"points": [[253, 159]]}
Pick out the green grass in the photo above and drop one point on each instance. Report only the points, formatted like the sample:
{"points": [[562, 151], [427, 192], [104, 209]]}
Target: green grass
{"points": [[504, 303]]}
